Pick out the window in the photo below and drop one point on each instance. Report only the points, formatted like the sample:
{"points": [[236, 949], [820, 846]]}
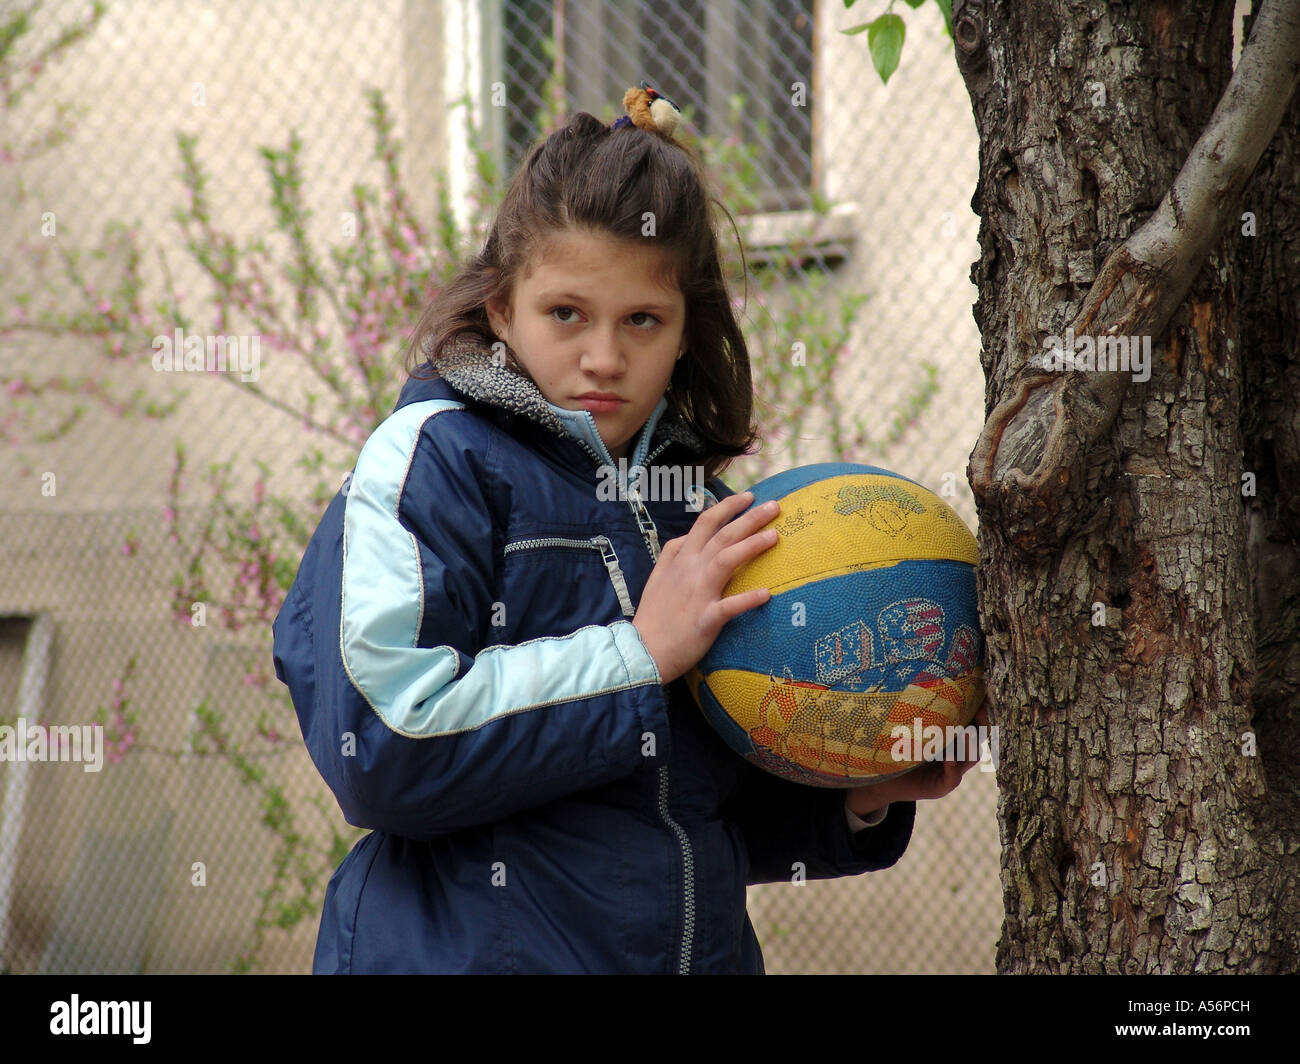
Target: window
{"points": [[700, 54]]}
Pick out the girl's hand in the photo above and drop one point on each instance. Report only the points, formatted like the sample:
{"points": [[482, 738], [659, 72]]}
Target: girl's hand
{"points": [[933, 779], [682, 609]]}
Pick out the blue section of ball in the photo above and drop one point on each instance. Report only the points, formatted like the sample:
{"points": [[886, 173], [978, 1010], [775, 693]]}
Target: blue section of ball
{"points": [[871, 630], [782, 484]]}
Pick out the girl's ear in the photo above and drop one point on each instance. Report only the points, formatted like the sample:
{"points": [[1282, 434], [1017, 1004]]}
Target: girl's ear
{"points": [[498, 318]]}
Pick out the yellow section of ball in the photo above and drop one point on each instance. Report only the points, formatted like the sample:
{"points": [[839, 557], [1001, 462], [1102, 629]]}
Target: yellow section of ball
{"points": [[840, 733], [850, 523]]}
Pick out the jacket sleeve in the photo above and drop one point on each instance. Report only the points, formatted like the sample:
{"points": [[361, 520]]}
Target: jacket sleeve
{"points": [[416, 726], [791, 828]]}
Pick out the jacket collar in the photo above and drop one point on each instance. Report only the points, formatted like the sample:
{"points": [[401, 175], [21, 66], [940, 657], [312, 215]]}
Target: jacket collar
{"points": [[467, 367]]}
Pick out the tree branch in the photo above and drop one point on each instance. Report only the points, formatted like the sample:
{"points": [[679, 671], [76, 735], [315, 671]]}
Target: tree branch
{"points": [[1028, 469]]}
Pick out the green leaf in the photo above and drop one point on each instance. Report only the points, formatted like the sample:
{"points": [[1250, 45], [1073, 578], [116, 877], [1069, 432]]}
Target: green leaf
{"points": [[856, 29], [914, 4], [946, 7], [885, 39], [849, 3]]}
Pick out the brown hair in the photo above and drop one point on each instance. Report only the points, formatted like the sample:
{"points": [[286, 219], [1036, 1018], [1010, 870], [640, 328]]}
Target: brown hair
{"points": [[588, 176]]}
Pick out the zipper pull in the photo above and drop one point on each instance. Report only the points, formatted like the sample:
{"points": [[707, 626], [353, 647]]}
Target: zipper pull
{"points": [[616, 578], [644, 520]]}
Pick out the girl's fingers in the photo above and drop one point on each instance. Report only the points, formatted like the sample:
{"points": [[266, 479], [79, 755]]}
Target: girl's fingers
{"points": [[734, 605], [730, 512], [751, 522], [744, 526], [715, 517], [731, 558]]}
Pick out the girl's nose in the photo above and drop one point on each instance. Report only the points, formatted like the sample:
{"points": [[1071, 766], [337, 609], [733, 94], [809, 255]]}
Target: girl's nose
{"points": [[603, 356]]}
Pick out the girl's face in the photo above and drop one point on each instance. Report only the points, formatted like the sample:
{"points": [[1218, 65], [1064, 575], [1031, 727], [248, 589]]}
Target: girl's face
{"points": [[595, 331]]}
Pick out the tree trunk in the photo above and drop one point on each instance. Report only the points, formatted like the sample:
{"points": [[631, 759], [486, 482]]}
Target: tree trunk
{"points": [[1268, 319], [1136, 825]]}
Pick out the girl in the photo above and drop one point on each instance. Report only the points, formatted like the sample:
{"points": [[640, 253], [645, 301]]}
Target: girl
{"points": [[485, 637]]}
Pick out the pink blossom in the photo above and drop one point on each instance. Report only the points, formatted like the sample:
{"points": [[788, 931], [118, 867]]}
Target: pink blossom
{"points": [[103, 306]]}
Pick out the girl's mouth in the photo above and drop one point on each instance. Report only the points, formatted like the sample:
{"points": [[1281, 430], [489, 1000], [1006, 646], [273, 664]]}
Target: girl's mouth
{"points": [[600, 402]]}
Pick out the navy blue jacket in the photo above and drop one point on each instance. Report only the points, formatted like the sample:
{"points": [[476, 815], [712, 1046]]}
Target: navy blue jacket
{"points": [[458, 648]]}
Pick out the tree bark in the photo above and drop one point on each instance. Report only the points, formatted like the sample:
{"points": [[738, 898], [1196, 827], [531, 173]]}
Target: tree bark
{"points": [[1137, 832], [1269, 325]]}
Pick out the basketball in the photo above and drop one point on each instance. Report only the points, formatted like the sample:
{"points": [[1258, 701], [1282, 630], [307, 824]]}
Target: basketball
{"points": [[868, 657]]}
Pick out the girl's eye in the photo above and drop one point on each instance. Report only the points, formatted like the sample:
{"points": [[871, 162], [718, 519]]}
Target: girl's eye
{"points": [[556, 311], [644, 314]]}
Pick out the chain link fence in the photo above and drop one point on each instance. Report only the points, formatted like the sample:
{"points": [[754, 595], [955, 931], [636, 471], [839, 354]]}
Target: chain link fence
{"points": [[139, 581]]}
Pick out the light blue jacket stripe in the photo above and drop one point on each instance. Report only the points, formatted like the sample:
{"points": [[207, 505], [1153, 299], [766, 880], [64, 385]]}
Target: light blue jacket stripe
{"points": [[415, 690]]}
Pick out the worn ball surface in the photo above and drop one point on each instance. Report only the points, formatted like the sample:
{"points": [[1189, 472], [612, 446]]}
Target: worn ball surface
{"points": [[872, 626]]}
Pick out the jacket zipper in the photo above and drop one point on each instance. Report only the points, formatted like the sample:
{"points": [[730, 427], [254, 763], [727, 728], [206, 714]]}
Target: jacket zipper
{"points": [[688, 878], [651, 537], [607, 555], [643, 521]]}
